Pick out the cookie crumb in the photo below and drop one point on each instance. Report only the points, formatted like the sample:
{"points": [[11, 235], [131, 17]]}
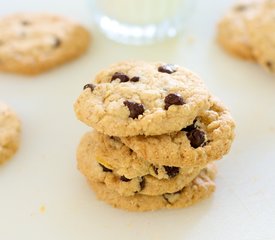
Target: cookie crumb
{"points": [[42, 209]]}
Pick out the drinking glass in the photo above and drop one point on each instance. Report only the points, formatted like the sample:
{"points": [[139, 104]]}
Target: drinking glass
{"points": [[141, 21]]}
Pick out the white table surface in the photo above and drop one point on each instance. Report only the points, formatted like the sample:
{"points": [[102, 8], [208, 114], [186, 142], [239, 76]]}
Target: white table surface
{"points": [[43, 196]]}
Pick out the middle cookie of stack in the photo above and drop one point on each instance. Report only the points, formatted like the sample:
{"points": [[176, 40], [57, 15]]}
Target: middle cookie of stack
{"points": [[158, 128]]}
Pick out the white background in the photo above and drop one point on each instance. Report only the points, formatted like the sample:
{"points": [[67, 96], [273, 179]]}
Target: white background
{"points": [[43, 173]]}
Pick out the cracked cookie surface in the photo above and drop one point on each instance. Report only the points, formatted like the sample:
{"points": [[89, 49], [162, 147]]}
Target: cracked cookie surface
{"points": [[31, 43], [134, 98]]}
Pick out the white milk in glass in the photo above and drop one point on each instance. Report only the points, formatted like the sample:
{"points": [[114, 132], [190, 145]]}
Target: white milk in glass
{"points": [[141, 21]]}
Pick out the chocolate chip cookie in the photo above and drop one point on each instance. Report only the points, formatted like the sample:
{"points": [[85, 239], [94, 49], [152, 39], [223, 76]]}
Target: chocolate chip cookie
{"points": [[139, 98], [32, 43], [200, 188], [208, 138], [233, 33], [10, 128]]}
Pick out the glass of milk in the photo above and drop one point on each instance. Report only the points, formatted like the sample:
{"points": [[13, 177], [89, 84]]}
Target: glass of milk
{"points": [[141, 21]]}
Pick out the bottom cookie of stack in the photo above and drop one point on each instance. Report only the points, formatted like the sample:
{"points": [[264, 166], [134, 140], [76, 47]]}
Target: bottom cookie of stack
{"points": [[145, 184], [200, 188]]}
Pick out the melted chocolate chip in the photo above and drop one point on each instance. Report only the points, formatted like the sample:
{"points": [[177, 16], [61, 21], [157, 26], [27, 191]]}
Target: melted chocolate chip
{"points": [[173, 99], [142, 184], [135, 109], [121, 76], [105, 169], [134, 79], [125, 179], [190, 127], [56, 42], [25, 22], [172, 171], [156, 170], [196, 138], [89, 85], [168, 68], [178, 192]]}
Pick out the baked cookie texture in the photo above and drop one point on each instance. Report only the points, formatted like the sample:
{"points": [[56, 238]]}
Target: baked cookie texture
{"points": [[10, 129], [111, 153], [135, 98], [209, 138], [158, 131], [31, 43], [125, 186], [233, 34], [200, 188]]}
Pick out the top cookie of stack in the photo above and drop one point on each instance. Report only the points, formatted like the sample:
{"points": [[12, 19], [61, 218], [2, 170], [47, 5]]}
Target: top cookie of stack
{"points": [[138, 98]]}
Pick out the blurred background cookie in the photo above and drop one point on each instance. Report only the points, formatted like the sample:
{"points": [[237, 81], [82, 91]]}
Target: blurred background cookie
{"points": [[33, 43], [10, 128], [262, 36], [233, 34]]}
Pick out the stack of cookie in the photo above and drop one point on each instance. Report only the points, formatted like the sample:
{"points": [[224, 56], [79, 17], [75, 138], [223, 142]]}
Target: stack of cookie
{"points": [[247, 31], [158, 131]]}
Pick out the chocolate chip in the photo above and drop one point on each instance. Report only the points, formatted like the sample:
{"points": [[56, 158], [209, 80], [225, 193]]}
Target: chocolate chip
{"points": [[269, 64], [156, 170], [135, 109], [121, 76], [25, 23], [125, 179], [56, 42], [178, 192], [89, 85], [142, 184], [173, 99], [171, 171], [240, 8], [116, 139], [196, 138], [168, 68], [105, 169], [134, 79], [190, 127]]}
